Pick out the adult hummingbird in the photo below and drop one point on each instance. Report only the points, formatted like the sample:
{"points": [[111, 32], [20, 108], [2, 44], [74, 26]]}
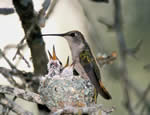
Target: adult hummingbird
{"points": [[85, 62]]}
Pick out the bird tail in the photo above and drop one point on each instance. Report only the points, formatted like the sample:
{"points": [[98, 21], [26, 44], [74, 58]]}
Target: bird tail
{"points": [[103, 91]]}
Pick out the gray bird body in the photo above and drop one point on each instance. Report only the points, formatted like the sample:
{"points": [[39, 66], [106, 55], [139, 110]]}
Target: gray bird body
{"points": [[84, 61]]}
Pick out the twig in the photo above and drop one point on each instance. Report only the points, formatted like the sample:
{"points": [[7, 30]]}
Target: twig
{"points": [[7, 75], [6, 11], [9, 109], [10, 78], [7, 60], [106, 59], [20, 93], [133, 51], [42, 13], [143, 96], [51, 9], [13, 106], [21, 74], [19, 47], [123, 54], [46, 4], [8, 47], [110, 110], [77, 110]]}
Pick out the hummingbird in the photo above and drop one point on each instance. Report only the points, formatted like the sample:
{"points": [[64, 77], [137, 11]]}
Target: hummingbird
{"points": [[54, 64], [85, 62]]}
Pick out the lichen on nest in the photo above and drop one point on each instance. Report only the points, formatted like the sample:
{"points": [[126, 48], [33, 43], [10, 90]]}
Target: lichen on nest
{"points": [[61, 92]]}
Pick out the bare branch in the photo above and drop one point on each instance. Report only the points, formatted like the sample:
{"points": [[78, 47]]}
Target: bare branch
{"points": [[10, 78], [42, 13], [133, 51], [94, 109], [106, 59], [9, 109], [6, 11], [19, 47], [51, 9], [123, 54], [20, 93], [13, 106], [7, 75], [18, 52], [7, 60], [21, 74], [143, 96], [46, 4]]}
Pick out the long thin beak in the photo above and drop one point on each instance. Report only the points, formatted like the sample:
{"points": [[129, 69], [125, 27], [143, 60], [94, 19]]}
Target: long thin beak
{"points": [[62, 35]]}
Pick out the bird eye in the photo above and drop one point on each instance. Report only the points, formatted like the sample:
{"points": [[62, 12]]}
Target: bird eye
{"points": [[72, 34]]}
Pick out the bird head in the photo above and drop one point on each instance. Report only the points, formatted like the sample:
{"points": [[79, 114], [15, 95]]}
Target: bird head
{"points": [[73, 37]]}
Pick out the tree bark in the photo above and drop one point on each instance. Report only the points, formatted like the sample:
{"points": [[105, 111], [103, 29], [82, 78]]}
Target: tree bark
{"points": [[27, 15]]}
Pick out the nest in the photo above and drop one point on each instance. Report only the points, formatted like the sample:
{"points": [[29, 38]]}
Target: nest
{"points": [[59, 92]]}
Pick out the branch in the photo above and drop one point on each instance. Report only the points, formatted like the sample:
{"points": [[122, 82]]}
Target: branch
{"points": [[21, 74], [7, 60], [133, 51], [145, 93], [13, 106], [106, 59], [51, 9], [94, 109], [10, 78], [6, 11], [20, 93], [42, 13], [27, 15], [7, 75], [123, 54], [18, 52], [46, 4]]}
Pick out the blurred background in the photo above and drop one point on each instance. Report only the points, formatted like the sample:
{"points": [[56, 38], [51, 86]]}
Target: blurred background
{"points": [[87, 16]]}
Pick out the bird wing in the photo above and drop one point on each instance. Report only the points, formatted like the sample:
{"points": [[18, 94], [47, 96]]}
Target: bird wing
{"points": [[92, 70]]}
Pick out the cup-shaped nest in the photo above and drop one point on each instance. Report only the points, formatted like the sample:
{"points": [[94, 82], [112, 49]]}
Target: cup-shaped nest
{"points": [[59, 92]]}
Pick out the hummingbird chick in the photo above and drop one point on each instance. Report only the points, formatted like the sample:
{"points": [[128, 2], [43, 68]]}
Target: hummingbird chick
{"points": [[67, 70], [85, 62], [54, 64]]}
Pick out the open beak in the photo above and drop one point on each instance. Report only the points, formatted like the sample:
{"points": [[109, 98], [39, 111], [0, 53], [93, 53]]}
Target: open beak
{"points": [[54, 53], [67, 63], [50, 56]]}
